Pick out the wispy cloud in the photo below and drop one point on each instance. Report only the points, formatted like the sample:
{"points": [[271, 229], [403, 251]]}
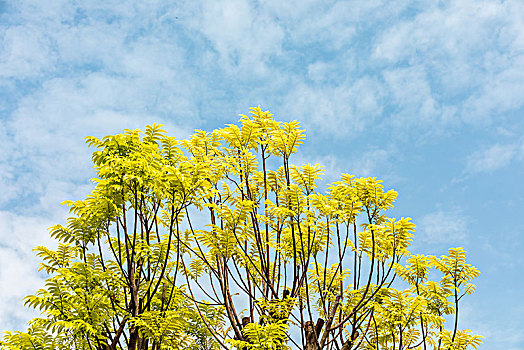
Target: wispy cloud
{"points": [[18, 235], [373, 162], [470, 53], [243, 36], [494, 157], [339, 111], [411, 96], [449, 227]]}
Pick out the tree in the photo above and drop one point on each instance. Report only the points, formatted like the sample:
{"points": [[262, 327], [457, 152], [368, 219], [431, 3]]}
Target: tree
{"points": [[218, 241]]}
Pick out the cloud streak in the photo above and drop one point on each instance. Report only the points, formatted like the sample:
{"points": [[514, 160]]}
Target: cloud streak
{"points": [[440, 227], [494, 157]]}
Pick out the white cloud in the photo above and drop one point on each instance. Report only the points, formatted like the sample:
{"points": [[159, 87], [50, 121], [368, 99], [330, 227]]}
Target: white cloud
{"points": [[318, 71], [471, 52], [412, 95], [447, 227], [331, 24], [321, 22], [371, 161], [494, 157], [244, 37], [47, 136], [18, 236], [501, 92], [101, 76], [340, 111], [13, 316], [26, 53]]}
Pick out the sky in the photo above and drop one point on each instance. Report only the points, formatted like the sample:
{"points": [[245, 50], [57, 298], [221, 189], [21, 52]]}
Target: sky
{"points": [[425, 95]]}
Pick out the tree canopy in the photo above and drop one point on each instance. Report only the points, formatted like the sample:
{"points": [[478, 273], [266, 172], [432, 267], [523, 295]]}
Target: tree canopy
{"points": [[219, 242]]}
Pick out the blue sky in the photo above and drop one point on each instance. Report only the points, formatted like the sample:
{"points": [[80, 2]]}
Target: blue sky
{"points": [[428, 96]]}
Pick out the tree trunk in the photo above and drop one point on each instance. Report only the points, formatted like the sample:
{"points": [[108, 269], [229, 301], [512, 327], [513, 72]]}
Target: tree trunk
{"points": [[311, 336], [134, 306], [133, 338]]}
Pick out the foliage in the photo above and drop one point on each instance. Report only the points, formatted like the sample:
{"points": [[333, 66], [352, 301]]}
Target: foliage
{"points": [[218, 241]]}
